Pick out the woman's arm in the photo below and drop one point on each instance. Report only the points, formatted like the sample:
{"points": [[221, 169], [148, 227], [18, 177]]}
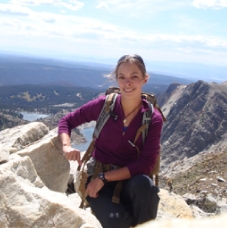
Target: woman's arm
{"points": [[86, 113], [69, 152], [149, 153]]}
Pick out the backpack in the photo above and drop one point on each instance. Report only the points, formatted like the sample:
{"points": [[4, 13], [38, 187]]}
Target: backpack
{"points": [[106, 113]]}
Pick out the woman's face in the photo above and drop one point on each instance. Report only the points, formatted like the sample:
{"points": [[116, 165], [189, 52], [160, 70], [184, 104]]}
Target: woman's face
{"points": [[130, 79]]}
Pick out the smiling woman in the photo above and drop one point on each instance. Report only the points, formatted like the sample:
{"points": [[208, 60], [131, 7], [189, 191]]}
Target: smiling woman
{"points": [[119, 161]]}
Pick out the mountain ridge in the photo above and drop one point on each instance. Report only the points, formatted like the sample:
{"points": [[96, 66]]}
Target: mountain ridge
{"points": [[196, 119]]}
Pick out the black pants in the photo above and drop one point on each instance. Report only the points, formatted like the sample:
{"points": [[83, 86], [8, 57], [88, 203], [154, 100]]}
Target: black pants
{"points": [[138, 203]]}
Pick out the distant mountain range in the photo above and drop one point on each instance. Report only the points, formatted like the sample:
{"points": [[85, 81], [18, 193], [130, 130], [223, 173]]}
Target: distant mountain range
{"points": [[16, 70]]}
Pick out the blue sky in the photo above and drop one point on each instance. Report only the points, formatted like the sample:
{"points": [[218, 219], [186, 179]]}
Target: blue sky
{"points": [[182, 37]]}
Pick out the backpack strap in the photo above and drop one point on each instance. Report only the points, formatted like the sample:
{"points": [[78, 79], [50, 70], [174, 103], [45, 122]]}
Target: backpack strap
{"points": [[147, 120], [105, 114], [107, 111]]}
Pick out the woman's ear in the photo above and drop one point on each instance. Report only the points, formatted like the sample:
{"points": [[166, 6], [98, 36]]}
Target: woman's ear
{"points": [[146, 79]]}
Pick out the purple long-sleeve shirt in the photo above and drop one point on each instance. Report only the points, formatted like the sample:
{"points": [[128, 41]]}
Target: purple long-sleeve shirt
{"points": [[112, 146]]}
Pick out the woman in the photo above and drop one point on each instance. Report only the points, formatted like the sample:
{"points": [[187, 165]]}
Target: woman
{"points": [[138, 197]]}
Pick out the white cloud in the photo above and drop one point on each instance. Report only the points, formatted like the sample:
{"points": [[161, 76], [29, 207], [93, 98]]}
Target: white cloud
{"points": [[69, 4], [50, 20], [14, 9], [68, 33], [216, 4], [103, 5], [142, 7], [31, 2], [74, 5]]}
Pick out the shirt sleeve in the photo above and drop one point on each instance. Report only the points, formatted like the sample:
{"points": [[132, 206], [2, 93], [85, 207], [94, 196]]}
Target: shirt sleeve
{"points": [[149, 153], [86, 113]]}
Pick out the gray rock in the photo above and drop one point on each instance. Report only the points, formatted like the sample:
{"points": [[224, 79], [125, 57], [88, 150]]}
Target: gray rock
{"points": [[220, 179], [49, 162], [198, 117], [21, 136], [210, 201], [4, 155], [26, 202]]}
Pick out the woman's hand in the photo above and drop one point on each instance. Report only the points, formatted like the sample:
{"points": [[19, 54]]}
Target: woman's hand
{"points": [[71, 154], [94, 187]]}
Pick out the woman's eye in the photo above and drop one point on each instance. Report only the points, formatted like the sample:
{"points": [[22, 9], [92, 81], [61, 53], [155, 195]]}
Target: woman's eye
{"points": [[134, 77]]}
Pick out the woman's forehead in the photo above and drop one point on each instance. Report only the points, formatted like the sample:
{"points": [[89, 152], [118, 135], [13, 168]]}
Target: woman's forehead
{"points": [[128, 66]]}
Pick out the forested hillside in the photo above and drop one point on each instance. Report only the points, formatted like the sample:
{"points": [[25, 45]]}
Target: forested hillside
{"points": [[48, 98]]}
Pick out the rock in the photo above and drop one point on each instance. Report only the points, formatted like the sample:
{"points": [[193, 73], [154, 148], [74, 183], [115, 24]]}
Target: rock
{"points": [[21, 136], [4, 155], [190, 198], [212, 172], [49, 162], [222, 206], [26, 202], [209, 204], [197, 212], [34, 167], [215, 221], [173, 206], [220, 179], [210, 201], [203, 179], [198, 117]]}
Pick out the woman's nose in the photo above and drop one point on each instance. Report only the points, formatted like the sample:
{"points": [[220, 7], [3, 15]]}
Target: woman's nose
{"points": [[127, 81]]}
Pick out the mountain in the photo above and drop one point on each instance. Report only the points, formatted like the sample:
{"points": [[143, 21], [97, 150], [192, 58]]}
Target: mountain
{"points": [[26, 70], [196, 119], [193, 145]]}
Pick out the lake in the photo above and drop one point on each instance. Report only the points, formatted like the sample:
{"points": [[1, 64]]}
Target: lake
{"points": [[31, 116], [87, 132]]}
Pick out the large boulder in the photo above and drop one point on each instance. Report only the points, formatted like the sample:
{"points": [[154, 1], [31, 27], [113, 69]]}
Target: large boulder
{"points": [[14, 139], [49, 162], [26, 202]]}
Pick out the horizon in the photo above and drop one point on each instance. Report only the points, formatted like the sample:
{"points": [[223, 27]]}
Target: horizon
{"points": [[186, 38]]}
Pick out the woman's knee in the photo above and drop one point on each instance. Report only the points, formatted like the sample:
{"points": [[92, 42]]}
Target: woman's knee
{"points": [[139, 182]]}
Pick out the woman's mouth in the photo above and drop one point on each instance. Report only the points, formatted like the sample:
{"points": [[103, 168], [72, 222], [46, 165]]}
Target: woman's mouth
{"points": [[128, 90]]}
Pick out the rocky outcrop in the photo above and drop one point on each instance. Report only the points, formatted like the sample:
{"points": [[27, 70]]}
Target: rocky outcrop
{"points": [[34, 178], [14, 139], [49, 162], [165, 96], [201, 180], [196, 121], [172, 205], [10, 119], [33, 181], [26, 202]]}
